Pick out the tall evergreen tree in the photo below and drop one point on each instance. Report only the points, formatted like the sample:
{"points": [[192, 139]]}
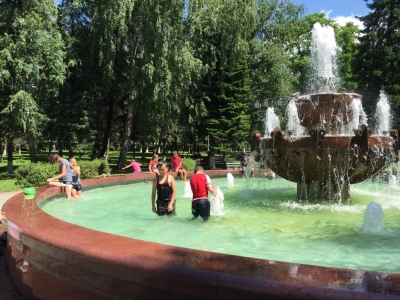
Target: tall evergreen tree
{"points": [[379, 53]]}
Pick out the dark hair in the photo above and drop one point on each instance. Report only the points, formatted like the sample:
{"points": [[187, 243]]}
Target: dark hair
{"points": [[198, 168], [162, 163], [53, 158]]}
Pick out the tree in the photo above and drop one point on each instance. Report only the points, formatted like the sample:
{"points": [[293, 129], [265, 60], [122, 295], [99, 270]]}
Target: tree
{"points": [[31, 67], [379, 54]]}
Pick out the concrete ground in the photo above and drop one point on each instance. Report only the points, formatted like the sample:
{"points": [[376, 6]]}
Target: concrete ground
{"points": [[7, 291]]}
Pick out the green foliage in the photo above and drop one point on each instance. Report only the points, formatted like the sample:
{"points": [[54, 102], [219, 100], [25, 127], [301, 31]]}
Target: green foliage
{"points": [[188, 164], [94, 168], [232, 160], [34, 174]]}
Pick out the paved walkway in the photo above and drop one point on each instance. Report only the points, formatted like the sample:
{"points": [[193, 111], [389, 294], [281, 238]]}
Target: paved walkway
{"points": [[7, 291]]}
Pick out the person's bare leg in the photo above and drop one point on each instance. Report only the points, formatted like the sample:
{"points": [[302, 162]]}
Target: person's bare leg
{"points": [[184, 175]]}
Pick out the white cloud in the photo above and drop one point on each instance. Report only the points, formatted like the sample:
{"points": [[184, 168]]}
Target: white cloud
{"points": [[342, 20]]}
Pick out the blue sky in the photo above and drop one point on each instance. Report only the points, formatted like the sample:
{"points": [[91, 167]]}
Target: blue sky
{"points": [[340, 10]]}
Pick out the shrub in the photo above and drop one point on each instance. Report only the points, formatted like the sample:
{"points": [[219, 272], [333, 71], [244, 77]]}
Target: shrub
{"points": [[232, 160], [90, 169], [34, 174], [188, 164]]}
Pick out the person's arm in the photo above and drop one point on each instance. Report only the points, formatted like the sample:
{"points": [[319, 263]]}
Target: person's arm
{"points": [[77, 169], [153, 195], [173, 187], [62, 174], [151, 171], [126, 167], [211, 189]]}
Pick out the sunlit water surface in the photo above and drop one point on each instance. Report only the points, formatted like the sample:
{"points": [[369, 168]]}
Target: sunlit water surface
{"points": [[263, 219]]}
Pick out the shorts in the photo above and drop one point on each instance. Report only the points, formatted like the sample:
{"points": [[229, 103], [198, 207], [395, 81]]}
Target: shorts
{"points": [[243, 170], [66, 182], [176, 170], [201, 207], [162, 208], [155, 169], [77, 187]]}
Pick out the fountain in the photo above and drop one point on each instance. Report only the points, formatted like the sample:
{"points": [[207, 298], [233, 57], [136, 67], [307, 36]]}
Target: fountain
{"points": [[339, 148], [230, 180]]}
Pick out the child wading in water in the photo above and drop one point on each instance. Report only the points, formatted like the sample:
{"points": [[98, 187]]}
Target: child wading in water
{"points": [[64, 178]]}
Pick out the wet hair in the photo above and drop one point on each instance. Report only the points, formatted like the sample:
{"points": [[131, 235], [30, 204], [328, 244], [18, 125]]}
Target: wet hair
{"points": [[198, 168], [53, 158], [162, 163]]}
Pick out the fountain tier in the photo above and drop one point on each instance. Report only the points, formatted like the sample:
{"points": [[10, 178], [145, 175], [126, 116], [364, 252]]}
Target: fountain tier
{"points": [[324, 163]]}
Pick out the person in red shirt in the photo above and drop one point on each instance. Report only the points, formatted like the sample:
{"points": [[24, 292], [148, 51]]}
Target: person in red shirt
{"points": [[201, 184], [177, 167], [153, 165]]}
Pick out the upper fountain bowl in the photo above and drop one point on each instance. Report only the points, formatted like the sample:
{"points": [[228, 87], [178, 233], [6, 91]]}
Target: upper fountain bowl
{"points": [[329, 111]]}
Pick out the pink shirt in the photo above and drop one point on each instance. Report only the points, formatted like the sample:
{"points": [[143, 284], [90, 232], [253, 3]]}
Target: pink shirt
{"points": [[175, 162], [136, 167]]}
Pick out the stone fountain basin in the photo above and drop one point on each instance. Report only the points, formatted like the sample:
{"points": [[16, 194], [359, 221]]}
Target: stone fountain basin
{"points": [[328, 111], [295, 158], [72, 262]]}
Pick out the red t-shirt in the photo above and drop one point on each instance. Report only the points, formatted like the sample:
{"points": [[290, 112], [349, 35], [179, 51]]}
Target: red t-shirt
{"points": [[199, 184], [153, 164]]}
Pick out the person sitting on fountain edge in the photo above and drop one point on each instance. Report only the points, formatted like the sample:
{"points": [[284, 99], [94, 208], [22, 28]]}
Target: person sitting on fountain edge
{"points": [[177, 167], [201, 184]]}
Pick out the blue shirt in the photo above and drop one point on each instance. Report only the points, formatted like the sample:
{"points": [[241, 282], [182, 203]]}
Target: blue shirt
{"points": [[68, 176]]}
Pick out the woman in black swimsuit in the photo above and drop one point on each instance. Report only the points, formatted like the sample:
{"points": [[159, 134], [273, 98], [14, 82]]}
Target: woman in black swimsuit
{"points": [[164, 184]]}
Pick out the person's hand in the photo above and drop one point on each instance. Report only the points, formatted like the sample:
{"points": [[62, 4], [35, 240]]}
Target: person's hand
{"points": [[154, 209], [48, 181], [170, 208]]}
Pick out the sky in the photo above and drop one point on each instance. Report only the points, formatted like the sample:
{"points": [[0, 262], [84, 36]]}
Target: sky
{"points": [[341, 10]]}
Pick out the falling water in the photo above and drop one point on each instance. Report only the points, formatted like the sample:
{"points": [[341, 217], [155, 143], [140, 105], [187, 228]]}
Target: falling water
{"points": [[217, 203], [359, 115], [293, 125], [271, 121], [187, 192], [323, 59], [229, 180], [373, 217], [382, 115]]}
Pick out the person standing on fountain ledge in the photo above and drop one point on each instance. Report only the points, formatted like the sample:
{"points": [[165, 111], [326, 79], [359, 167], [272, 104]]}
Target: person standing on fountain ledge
{"points": [[164, 184], [201, 184]]}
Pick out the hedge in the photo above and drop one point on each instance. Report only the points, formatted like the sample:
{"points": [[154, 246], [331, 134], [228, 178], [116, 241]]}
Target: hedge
{"points": [[35, 174]]}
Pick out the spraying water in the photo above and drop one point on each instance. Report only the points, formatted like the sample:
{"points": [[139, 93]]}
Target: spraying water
{"points": [[229, 180], [271, 121], [187, 192], [373, 217], [359, 115], [382, 114], [293, 125], [217, 203], [323, 58]]}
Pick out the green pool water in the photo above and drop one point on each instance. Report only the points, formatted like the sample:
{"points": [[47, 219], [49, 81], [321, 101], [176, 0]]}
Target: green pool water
{"points": [[263, 219]]}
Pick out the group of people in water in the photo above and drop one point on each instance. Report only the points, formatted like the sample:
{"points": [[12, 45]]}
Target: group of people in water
{"points": [[165, 189], [164, 185]]}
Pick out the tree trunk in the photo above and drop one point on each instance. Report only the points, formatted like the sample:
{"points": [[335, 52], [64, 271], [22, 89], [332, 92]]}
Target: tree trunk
{"points": [[32, 148], [106, 155], [10, 146], [107, 133], [95, 147], [127, 136]]}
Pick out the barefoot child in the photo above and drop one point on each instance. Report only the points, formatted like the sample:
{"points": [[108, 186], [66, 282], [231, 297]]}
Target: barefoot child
{"points": [[64, 178]]}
